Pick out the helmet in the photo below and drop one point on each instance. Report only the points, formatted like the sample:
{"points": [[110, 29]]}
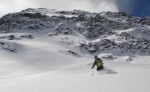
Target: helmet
{"points": [[95, 57]]}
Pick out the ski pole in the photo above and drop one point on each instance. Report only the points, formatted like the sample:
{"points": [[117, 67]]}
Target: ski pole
{"points": [[92, 72]]}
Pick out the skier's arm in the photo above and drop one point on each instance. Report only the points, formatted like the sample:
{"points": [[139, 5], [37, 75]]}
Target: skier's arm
{"points": [[93, 65]]}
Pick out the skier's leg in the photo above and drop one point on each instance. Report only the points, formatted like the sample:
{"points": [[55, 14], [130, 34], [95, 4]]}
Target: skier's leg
{"points": [[100, 68]]}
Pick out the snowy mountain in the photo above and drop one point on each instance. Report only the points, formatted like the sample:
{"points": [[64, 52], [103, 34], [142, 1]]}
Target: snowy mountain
{"points": [[105, 31], [43, 50]]}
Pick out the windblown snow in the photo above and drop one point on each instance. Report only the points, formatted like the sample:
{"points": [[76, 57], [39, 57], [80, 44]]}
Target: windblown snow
{"points": [[54, 53]]}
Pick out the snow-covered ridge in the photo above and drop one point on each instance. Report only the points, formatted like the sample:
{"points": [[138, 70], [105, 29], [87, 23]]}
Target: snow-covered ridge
{"points": [[54, 12], [37, 19]]}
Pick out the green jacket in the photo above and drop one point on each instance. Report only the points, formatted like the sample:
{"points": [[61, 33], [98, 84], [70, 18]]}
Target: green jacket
{"points": [[98, 62]]}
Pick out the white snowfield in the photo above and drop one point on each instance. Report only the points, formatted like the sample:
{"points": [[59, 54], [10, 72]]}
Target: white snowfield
{"points": [[44, 65]]}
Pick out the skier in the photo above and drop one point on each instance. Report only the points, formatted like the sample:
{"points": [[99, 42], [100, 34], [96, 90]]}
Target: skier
{"points": [[99, 63]]}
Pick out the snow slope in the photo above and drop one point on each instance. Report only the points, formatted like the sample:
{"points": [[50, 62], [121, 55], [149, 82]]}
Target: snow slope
{"points": [[38, 66]]}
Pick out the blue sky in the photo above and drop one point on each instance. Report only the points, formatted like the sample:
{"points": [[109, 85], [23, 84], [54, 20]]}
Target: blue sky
{"points": [[134, 7]]}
